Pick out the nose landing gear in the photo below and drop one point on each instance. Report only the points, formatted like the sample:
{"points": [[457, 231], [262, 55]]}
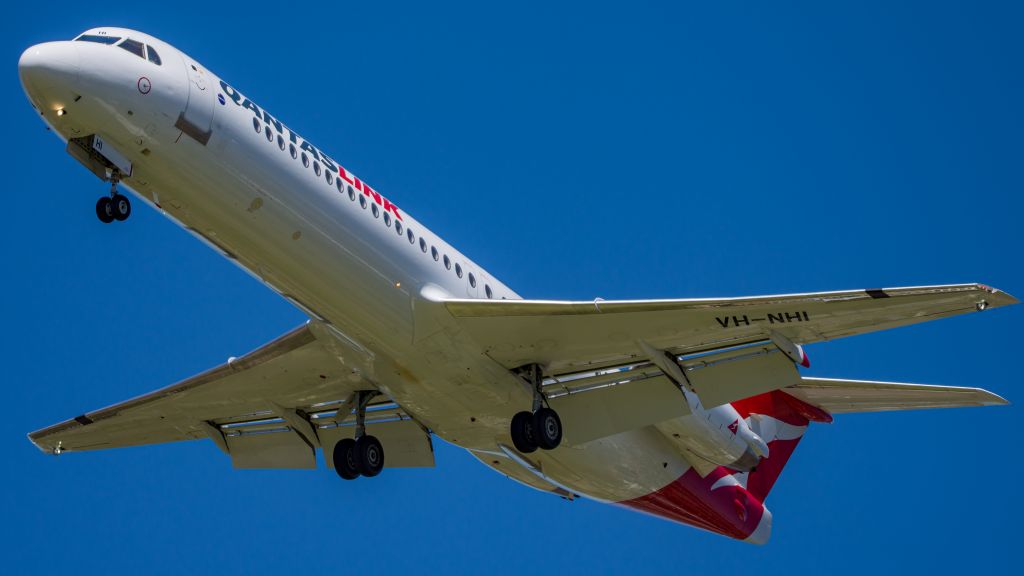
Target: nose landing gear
{"points": [[113, 207], [541, 428]]}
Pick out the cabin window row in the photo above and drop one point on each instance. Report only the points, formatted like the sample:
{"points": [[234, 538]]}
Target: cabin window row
{"points": [[374, 208]]}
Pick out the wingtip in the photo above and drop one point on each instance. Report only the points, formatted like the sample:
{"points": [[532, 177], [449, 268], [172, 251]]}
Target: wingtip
{"points": [[993, 399], [32, 437], [983, 397], [998, 297]]}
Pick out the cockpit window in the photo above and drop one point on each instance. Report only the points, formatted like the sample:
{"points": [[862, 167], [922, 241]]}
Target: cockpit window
{"points": [[98, 39], [153, 56], [133, 46]]}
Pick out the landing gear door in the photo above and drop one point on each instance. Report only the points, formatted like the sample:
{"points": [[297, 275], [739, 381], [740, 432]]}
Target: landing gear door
{"points": [[196, 121]]}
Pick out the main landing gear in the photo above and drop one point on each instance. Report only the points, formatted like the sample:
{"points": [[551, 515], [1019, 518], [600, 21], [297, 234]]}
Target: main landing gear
{"points": [[541, 428], [364, 455], [113, 207]]}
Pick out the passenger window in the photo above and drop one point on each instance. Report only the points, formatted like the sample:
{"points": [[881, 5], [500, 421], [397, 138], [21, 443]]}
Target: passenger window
{"points": [[375, 210], [293, 151], [447, 262], [280, 142], [362, 202], [329, 176], [435, 253], [270, 134], [134, 47], [305, 160], [338, 182], [412, 237], [487, 290], [257, 126], [316, 167], [423, 245], [387, 220], [472, 280], [458, 270], [351, 194], [153, 56], [98, 39], [398, 227]]}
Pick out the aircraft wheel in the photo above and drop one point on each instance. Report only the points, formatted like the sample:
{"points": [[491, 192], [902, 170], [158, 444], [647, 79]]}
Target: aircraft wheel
{"points": [[523, 432], [344, 459], [122, 208], [548, 428], [105, 210], [369, 456]]}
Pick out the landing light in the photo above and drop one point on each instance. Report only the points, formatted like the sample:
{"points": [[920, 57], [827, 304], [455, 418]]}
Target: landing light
{"points": [[61, 111]]}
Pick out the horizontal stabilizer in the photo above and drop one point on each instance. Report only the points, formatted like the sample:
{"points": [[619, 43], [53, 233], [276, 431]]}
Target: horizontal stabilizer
{"points": [[845, 396]]}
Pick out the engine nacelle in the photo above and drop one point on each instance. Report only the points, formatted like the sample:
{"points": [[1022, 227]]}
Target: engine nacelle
{"points": [[719, 435]]}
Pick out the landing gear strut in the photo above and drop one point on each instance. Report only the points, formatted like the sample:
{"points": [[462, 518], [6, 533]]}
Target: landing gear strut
{"points": [[364, 455], [541, 428], [115, 206]]}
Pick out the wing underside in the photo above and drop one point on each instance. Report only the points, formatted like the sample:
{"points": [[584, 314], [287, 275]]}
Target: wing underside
{"points": [[271, 408], [613, 365], [568, 336]]}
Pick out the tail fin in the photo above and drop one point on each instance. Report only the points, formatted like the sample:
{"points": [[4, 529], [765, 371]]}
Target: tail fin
{"points": [[781, 420]]}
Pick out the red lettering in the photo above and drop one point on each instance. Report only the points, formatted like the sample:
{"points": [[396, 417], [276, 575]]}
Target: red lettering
{"points": [[389, 207], [343, 174], [371, 192], [366, 189]]}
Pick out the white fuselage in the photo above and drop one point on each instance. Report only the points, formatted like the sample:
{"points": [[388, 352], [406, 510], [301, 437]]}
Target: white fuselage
{"points": [[334, 251]]}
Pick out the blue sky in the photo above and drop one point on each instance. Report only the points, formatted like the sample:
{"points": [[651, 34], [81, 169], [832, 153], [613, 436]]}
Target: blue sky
{"points": [[621, 151]]}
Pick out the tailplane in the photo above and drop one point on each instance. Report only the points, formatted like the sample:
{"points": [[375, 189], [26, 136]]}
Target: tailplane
{"points": [[781, 417]]}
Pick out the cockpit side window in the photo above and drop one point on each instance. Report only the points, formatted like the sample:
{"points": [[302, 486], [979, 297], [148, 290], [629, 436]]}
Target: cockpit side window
{"points": [[133, 46], [98, 39], [153, 56]]}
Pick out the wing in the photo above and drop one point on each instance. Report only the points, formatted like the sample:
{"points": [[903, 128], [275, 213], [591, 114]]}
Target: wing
{"points": [[566, 336], [722, 349], [268, 409], [845, 396]]}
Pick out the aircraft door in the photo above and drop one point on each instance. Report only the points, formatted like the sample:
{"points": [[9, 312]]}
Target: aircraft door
{"points": [[196, 120]]}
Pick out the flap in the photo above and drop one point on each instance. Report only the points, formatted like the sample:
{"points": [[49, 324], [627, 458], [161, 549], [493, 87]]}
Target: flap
{"points": [[617, 407], [757, 370]]}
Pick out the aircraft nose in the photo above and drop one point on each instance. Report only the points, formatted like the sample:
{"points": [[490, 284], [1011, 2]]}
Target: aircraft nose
{"points": [[49, 72]]}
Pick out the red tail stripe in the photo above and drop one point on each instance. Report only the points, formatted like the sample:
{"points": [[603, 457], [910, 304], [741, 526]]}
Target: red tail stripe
{"points": [[809, 411]]}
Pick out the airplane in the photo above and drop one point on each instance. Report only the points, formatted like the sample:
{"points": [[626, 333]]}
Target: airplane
{"points": [[686, 409]]}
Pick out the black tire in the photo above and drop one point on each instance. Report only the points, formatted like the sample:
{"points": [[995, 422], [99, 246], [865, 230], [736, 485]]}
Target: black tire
{"points": [[122, 207], [547, 428], [523, 436], [369, 456], [105, 210], [344, 459]]}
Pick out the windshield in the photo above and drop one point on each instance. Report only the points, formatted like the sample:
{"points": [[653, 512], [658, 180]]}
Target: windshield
{"points": [[153, 56], [134, 47], [97, 39]]}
